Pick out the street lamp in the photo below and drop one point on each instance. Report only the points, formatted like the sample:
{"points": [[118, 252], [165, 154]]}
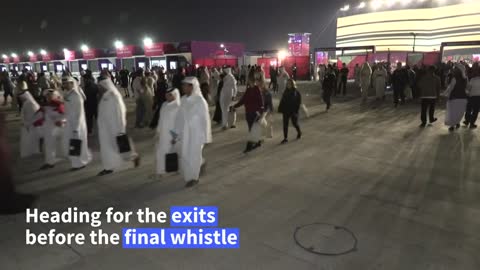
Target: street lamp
{"points": [[14, 55], [222, 46], [414, 39], [4, 56], [118, 44], [43, 52], [148, 42], [30, 53], [84, 48]]}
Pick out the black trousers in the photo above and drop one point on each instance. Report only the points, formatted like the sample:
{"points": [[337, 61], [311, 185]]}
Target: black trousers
{"points": [[251, 117], [342, 87], [428, 104], [398, 93], [327, 97], [473, 107], [90, 117], [286, 119]]}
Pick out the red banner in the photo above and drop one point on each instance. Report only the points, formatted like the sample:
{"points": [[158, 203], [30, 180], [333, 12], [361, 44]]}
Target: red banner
{"points": [[69, 55], [16, 60], [156, 49], [34, 58], [47, 57], [6, 60], [126, 51], [90, 54]]}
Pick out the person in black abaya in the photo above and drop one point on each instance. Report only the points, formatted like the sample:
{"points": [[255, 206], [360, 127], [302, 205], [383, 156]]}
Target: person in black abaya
{"points": [[91, 104], [217, 116], [158, 99]]}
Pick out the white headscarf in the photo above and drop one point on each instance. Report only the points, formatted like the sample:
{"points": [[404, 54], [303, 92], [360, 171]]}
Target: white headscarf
{"points": [[176, 93], [196, 85]]}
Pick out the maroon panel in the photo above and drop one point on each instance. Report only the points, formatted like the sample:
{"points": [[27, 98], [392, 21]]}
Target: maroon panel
{"points": [[431, 58], [155, 50], [69, 55], [126, 51]]}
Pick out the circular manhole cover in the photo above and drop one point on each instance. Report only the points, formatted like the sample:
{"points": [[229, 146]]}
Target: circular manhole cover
{"points": [[325, 239]]}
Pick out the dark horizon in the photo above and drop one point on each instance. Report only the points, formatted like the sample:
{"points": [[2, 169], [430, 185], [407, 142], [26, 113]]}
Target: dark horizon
{"points": [[42, 26]]}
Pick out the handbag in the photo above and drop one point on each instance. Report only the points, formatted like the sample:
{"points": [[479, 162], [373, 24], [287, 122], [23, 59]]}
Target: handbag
{"points": [[123, 142], [75, 148], [171, 162]]}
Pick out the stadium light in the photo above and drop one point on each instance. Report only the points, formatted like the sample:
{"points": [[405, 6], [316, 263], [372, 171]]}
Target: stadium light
{"points": [[14, 55], [345, 8], [4, 56], [222, 46], [43, 52], [361, 5], [118, 44], [84, 48], [30, 53], [282, 54], [148, 42], [375, 4]]}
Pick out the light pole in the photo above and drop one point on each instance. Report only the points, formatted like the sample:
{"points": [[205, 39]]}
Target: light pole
{"points": [[414, 39]]}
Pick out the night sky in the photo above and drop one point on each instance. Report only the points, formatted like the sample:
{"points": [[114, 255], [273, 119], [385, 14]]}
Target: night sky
{"points": [[260, 24]]}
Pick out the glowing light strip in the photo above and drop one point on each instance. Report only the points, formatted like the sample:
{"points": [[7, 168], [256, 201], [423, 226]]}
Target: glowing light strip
{"points": [[419, 32]]}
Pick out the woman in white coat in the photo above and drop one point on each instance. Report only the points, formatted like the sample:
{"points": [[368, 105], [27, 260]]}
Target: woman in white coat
{"points": [[76, 125], [380, 80], [29, 139], [112, 122], [228, 93], [166, 124]]}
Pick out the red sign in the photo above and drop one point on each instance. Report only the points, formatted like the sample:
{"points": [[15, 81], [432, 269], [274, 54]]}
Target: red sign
{"points": [[69, 55], [6, 60], [156, 49], [90, 54], [126, 51], [16, 60], [33, 58], [47, 57]]}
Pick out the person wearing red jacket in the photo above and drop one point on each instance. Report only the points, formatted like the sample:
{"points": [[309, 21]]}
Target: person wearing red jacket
{"points": [[252, 100]]}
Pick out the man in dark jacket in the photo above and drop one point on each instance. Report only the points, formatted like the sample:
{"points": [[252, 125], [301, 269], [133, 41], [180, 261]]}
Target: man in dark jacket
{"points": [[343, 79], [91, 104], [329, 86], [289, 107], [399, 82], [429, 87]]}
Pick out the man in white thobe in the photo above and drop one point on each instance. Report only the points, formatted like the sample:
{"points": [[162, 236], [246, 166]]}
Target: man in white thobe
{"points": [[76, 125], [365, 80], [112, 122], [51, 122], [193, 129], [29, 138], [215, 81], [166, 124], [229, 92]]}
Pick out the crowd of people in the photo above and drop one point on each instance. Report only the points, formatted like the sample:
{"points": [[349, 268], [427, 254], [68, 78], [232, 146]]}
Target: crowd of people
{"points": [[61, 114]]}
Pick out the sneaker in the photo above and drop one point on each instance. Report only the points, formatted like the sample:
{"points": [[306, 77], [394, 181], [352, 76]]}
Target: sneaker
{"points": [[465, 123], [457, 126], [136, 162], [299, 135], [46, 167], [422, 125], [473, 126], [451, 129], [284, 141], [433, 121], [191, 183], [104, 172], [77, 169]]}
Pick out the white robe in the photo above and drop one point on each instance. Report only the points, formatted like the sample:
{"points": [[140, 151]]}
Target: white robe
{"points": [[365, 80], [52, 133], [229, 91], [282, 81], [194, 130], [380, 77], [455, 107], [29, 138], [112, 122], [214, 84], [76, 127], [166, 123]]}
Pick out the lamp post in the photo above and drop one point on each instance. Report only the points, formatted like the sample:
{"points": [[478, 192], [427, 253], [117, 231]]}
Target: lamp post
{"points": [[414, 39]]}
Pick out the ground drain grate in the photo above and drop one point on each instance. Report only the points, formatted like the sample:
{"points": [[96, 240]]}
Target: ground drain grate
{"points": [[325, 239]]}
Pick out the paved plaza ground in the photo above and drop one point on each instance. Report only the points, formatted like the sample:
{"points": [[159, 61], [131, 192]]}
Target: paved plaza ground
{"points": [[411, 196]]}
